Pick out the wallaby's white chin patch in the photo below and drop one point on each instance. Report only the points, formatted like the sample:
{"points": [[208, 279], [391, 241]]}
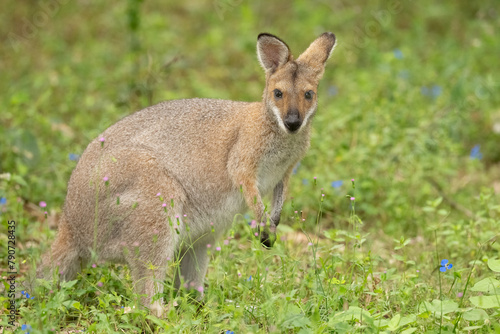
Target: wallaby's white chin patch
{"points": [[309, 113], [276, 113]]}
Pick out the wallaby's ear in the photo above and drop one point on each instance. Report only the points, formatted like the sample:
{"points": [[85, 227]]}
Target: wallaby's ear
{"points": [[318, 53], [272, 52]]}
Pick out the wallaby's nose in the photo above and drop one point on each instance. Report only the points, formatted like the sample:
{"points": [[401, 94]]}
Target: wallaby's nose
{"points": [[292, 120]]}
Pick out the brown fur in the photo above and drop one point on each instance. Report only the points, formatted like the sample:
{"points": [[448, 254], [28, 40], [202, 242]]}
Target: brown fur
{"points": [[197, 153]]}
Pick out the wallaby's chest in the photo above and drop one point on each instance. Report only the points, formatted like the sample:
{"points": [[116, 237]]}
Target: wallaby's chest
{"points": [[275, 162]]}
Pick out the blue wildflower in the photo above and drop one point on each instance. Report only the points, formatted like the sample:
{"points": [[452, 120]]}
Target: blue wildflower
{"points": [[250, 278], [431, 92], [404, 74], [436, 91], [295, 169], [304, 181], [337, 184], [333, 90], [398, 54], [26, 328], [229, 332], [27, 295], [3, 201], [73, 157], [475, 153], [445, 265]]}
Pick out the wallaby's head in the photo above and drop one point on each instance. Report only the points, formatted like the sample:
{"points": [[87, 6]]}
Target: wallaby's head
{"points": [[291, 85]]}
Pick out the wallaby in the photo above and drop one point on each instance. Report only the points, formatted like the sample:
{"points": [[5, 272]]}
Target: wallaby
{"points": [[155, 184]]}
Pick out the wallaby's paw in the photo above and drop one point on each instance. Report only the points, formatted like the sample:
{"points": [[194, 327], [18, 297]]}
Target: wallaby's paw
{"points": [[267, 239], [156, 308]]}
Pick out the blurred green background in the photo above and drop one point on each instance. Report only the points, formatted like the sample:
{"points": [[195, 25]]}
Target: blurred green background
{"points": [[409, 103]]}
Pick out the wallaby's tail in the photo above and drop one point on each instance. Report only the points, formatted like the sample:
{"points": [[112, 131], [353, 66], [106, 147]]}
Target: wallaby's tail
{"points": [[63, 255]]}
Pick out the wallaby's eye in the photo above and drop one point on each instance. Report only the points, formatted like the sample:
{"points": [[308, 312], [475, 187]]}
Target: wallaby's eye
{"points": [[309, 95], [278, 94]]}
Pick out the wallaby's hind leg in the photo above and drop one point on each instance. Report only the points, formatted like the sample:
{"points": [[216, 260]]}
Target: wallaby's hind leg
{"points": [[148, 260], [148, 278], [63, 255], [193, 265], [150, 238]]}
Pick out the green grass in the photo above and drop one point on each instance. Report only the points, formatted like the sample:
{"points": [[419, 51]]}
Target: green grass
{"points": [[408, 92]]}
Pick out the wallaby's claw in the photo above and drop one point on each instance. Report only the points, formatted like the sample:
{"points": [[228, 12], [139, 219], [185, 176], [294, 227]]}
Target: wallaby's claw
{"points": [[266, 241]]}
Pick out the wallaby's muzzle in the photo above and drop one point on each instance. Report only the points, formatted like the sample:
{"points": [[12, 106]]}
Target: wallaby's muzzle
{"points": [[292, 120]]}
